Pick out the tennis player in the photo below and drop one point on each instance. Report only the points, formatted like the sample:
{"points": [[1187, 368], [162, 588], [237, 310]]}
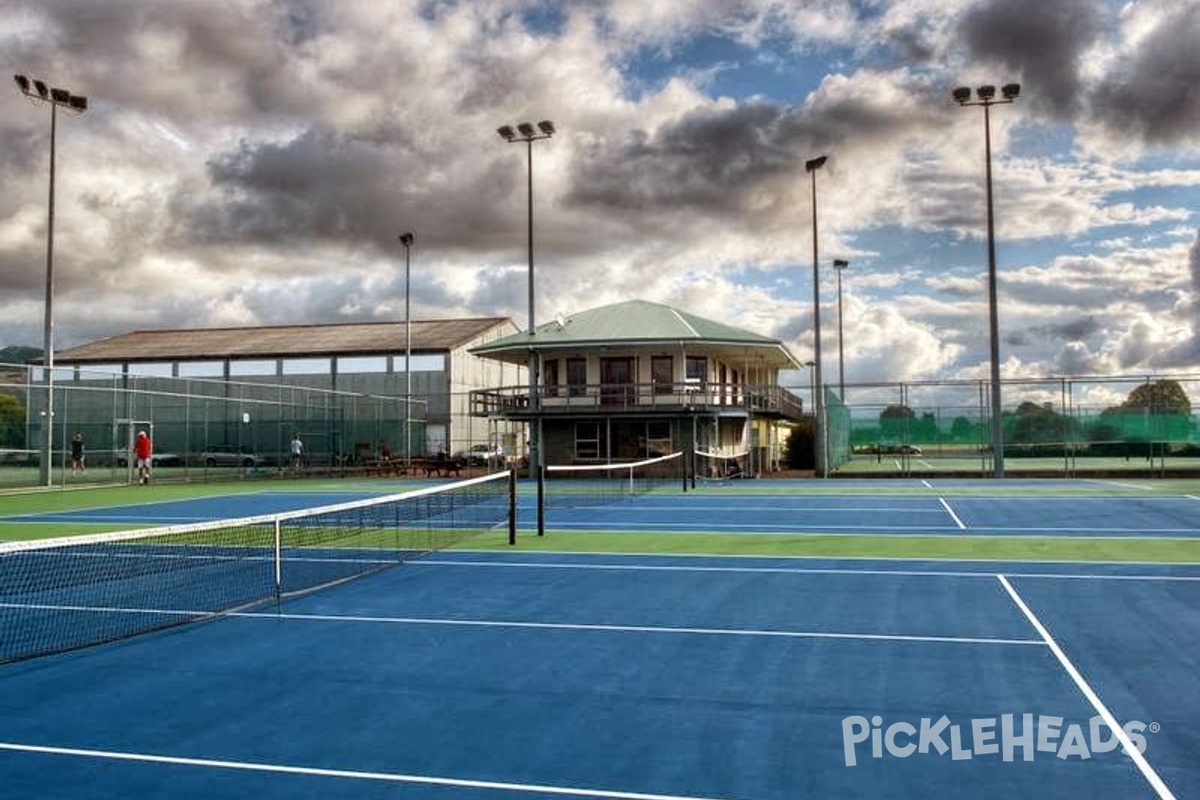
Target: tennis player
{"points": [[78, 465], [143, 449]]}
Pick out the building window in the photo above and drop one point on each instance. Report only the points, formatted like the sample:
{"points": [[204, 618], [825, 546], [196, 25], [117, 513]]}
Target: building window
{"points": [[658, 439], [576, 377], [201, 369], [550, 377], [637, 439], [252, 368], [617, 381], [697, 373], [590, 442], [347, 365], [307, 366], [662, 374]]}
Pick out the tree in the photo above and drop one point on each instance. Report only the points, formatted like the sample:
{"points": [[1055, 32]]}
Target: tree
{"points": [[1155, 411], [963, 430], [1038, 424], [1159, 397], [12, 422], [897, 422]]}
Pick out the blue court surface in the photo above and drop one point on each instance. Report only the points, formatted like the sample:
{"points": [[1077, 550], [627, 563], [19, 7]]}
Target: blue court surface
{"points": [[534, 675], [726, 511]]}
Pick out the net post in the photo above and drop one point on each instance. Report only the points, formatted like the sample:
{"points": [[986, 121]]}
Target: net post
{"points": [[512, 505], [541, 500], [278, 530]]}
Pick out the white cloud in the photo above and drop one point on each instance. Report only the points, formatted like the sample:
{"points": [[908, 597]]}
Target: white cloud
{"points": [[256, 164]]}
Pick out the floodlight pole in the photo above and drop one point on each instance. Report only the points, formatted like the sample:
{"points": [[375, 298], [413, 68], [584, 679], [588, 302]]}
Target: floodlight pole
{"points": [[525, 132], [987, 98], [406, 239], [840, 264], [821, 461], [77, 104]]}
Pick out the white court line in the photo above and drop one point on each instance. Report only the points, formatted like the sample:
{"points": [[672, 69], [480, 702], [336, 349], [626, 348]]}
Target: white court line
{"points": [[1130, 749], [953, 516], [579, 626], [389, 777], [488, 623]]}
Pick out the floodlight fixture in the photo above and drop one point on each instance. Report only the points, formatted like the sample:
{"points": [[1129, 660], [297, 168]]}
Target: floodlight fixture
{"points": [[986, 95], [840, 264], [55, 98], [820, 440], [528, 134], [406, 239]]}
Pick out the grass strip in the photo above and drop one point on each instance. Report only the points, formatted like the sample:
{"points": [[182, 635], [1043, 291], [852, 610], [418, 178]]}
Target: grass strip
{"points": [[986, 548]]}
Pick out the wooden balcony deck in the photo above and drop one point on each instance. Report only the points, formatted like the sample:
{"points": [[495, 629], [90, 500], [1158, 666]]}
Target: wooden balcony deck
{"points": [[638, 398]]}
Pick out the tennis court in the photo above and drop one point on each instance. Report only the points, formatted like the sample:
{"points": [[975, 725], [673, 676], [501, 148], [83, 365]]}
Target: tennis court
{"points": [[514, 672]]}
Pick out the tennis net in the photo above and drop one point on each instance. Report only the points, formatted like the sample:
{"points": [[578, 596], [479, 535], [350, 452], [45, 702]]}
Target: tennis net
{"points": [[718, 467], [588, 484], [73, 592]]}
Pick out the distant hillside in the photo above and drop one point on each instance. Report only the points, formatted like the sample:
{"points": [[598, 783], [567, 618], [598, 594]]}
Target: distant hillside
{"points": [[15, 354]]}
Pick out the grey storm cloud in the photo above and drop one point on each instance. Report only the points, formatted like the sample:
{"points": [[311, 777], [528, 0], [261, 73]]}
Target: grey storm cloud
{"points": [[318, 185], [1152, 94], [705, 161], [1194, 262], [1147, 95], [1041, 42], [1072, 331]]}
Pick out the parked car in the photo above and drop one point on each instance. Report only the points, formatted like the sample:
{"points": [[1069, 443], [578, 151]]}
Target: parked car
{"points": [[156, 460], [482, 455], [229, 456], [892, 448]]}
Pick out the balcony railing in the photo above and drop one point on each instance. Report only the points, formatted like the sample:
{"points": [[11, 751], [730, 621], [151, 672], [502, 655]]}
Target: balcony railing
{"points": [[628, 398]]}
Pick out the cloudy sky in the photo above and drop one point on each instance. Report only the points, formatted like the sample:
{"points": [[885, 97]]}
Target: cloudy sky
{"points": [[251, 162]]}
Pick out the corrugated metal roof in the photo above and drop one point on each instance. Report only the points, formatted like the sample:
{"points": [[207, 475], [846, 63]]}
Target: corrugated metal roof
{"points": [[364, 338], [632, 323]]}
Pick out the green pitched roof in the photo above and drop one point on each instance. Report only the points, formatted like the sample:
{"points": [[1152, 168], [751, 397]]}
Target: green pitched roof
{"points": [[633, 323]]}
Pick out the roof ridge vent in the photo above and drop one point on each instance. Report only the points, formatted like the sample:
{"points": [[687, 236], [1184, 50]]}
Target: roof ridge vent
{"points": [[685, 323]]}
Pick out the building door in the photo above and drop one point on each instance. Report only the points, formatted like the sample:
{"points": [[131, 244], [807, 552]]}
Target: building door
{"points": [[616, 381]]}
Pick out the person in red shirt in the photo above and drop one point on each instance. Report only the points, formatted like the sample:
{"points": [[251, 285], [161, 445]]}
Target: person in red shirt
{"points": [[143, 448]]}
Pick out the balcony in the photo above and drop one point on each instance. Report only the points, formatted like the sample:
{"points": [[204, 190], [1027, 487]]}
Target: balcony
{"points": [[664, 399]]}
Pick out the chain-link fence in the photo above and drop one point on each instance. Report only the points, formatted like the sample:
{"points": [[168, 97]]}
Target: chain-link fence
{"points": [[1060, 426], [198, 427]]}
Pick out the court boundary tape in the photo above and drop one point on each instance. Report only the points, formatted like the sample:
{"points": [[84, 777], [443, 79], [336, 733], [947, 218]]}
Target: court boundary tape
{"points": [[1135, 755], [322, 772]]}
